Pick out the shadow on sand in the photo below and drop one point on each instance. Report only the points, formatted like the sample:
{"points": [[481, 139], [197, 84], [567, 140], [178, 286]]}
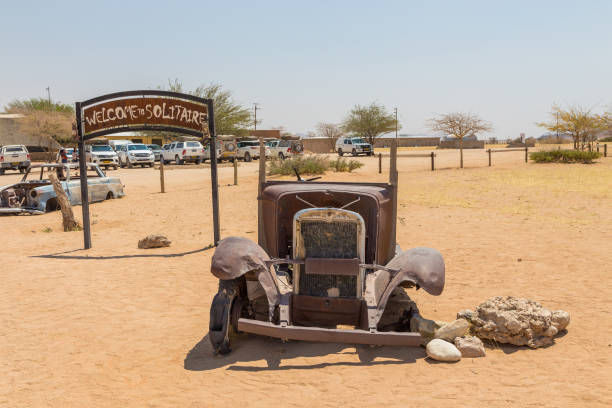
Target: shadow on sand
{"points": [[61, 255], [250, 348]]}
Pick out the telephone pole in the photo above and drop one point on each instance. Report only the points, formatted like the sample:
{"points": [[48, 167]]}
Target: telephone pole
{"points": [[49, 95], [395, 110], [255, 108]]}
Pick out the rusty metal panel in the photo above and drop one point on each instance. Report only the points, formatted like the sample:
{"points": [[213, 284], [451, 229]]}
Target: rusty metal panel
{"points": [[330, 335], [325, 310], [143, 111], [332, 266]]}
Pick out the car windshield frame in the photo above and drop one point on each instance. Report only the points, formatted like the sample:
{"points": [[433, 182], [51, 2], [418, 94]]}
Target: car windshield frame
{"points": [[14, 150], [193, 144], [358, 140], [153, 147], [101, 148]]}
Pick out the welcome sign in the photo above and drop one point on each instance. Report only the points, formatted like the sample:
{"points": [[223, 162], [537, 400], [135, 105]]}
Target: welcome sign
{"points": [[144, 111]]}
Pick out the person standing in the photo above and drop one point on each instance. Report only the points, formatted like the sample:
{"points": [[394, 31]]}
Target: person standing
{"points": [[63, 156]]}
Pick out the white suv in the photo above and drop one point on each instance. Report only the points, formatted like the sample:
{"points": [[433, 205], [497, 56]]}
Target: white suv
{"points": [[181, 152], [248, 150], [135, 154], [354, 146], [284, 148], [103, 155]]}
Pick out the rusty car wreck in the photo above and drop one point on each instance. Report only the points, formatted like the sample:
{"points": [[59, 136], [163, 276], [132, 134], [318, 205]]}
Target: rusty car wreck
{"points": [[326, 268]]}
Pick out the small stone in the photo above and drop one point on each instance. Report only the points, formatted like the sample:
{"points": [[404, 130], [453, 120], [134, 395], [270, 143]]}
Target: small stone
{"points": [[450, 331], [470, 346], [442, 350], [560, 319], [154, 241]]}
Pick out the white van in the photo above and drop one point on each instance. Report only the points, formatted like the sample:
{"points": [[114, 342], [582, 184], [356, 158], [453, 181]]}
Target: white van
{"points": [[116, 144], [354, 146]]}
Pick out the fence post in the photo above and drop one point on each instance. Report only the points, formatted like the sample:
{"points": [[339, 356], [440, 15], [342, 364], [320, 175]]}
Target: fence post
{"points": [[489, 151], [235, 170], [526, 154], [161, 174], [605, 150], [432, 161], [379, 163], [597, 147]]}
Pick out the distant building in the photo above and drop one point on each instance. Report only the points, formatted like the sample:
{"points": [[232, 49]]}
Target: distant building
{"points": [[266, 134], [10, 134]]}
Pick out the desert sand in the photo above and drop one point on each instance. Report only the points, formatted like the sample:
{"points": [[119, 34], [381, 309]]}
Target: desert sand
{"points": [[116, 326]]}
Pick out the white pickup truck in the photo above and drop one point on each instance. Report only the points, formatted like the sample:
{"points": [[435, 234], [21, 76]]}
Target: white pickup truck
{"points": [[15, 157], [284, 148]]}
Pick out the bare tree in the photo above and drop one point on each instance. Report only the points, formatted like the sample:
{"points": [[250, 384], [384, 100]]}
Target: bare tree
{"points": [[331, 131], [578, 122], [459, 125]]}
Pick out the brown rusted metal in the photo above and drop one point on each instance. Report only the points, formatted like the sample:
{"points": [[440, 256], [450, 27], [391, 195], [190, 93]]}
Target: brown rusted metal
{"points": [[126, 112], [332, 311], [332, 266], [329, 335]]}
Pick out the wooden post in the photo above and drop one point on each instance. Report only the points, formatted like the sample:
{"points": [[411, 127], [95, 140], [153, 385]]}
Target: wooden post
{"points": [[432, 161], [161, 175], [70, 224], [597, 147], [393, 180], [235, 171], [606, 150], [261, 236], [526, 154], [489, 151], [379, 163]]}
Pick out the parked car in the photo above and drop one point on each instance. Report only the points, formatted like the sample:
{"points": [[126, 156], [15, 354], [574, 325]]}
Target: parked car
{"points": [[248, 150], [183, 152], [156, 150], [354, 146], [116, 144], [284, 148], [103, 155], [328, 258], [135, 154], [14, 157], [34, 194]]}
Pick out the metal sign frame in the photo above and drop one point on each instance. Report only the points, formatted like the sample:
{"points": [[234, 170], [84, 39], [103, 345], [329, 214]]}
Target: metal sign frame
{"points": [[80, 106]]}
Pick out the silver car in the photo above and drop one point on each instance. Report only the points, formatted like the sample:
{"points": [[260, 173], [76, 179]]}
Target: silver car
{"points": [[34, 194]]}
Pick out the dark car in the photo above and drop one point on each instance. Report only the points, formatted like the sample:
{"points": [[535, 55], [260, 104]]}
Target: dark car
{"points": [[327, 268]]}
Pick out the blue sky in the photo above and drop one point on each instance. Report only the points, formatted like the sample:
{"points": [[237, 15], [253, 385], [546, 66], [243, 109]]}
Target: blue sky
{"points": [[307, 62]]}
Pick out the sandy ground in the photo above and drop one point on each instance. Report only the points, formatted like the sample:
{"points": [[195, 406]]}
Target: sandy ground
{"points": [[119, 326]]}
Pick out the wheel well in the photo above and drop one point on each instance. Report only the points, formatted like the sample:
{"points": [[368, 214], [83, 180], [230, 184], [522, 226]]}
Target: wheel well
{"points": [[52, 204], [110, 195]]}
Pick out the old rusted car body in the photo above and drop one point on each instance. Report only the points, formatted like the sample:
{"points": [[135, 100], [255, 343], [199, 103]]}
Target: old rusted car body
{"points": [[326, 268]]}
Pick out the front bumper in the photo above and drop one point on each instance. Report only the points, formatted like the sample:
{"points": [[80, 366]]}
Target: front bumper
{"points": [[329, 335], [15, 165]]}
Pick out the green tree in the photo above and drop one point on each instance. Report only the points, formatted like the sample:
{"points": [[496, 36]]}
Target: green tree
{"points": [[582, 124], [369, 122], [459, 125], [231, 118], [37, 104]]}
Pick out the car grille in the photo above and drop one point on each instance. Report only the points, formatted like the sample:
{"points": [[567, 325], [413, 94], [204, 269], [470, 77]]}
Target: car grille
{"points": [[329, 240], [142, 155], [105, 156]]}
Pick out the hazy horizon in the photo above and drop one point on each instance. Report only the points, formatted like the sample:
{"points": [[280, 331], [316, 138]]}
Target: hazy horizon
{"points": [[311, 62]]}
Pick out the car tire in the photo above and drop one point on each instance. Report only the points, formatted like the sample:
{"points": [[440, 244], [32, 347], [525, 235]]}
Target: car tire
{"points": [[354, 153], [21, 170], [281, 156], [1, 172], [370, 153], [247, 157], [199, 161], [340, 152], [129, 163], [178, 160], [115, 167]]}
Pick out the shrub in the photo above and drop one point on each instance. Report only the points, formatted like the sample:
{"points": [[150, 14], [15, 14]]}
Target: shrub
{"points": [[303, 164], [311, 165], [564, 156], [606, 139]]}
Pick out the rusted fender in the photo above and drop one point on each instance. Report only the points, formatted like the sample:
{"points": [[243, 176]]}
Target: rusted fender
{"points": [[236, 256], [421, 265]]}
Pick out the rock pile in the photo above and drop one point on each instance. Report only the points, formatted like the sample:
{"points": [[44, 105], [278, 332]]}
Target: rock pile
{"points": [[515, 321], [154, 241]]}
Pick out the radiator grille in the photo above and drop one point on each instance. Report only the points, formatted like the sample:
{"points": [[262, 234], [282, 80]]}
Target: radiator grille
{"points": [[329, 240]]}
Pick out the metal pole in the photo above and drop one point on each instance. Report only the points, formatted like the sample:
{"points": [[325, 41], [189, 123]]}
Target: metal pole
{"points": [[393, 180], [526, 154], [49, 95], [432, 161], [379, 163], [489, 151], [83, 177], [235, 171], [213, 171], [161, 174]]}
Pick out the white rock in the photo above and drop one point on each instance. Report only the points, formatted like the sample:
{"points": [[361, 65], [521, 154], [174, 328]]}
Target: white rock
{"points": [[441, 350], [470, 346]]}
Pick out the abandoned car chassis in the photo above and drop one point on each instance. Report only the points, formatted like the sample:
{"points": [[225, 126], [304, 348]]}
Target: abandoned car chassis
{"points": [[326, 268]]}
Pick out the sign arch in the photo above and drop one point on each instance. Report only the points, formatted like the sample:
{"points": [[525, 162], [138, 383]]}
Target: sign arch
{"points": [[145, 110]]}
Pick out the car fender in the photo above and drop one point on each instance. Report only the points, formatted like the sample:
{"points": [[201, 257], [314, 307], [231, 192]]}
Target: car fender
{"points": [[421, 267], [235, 256]]}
